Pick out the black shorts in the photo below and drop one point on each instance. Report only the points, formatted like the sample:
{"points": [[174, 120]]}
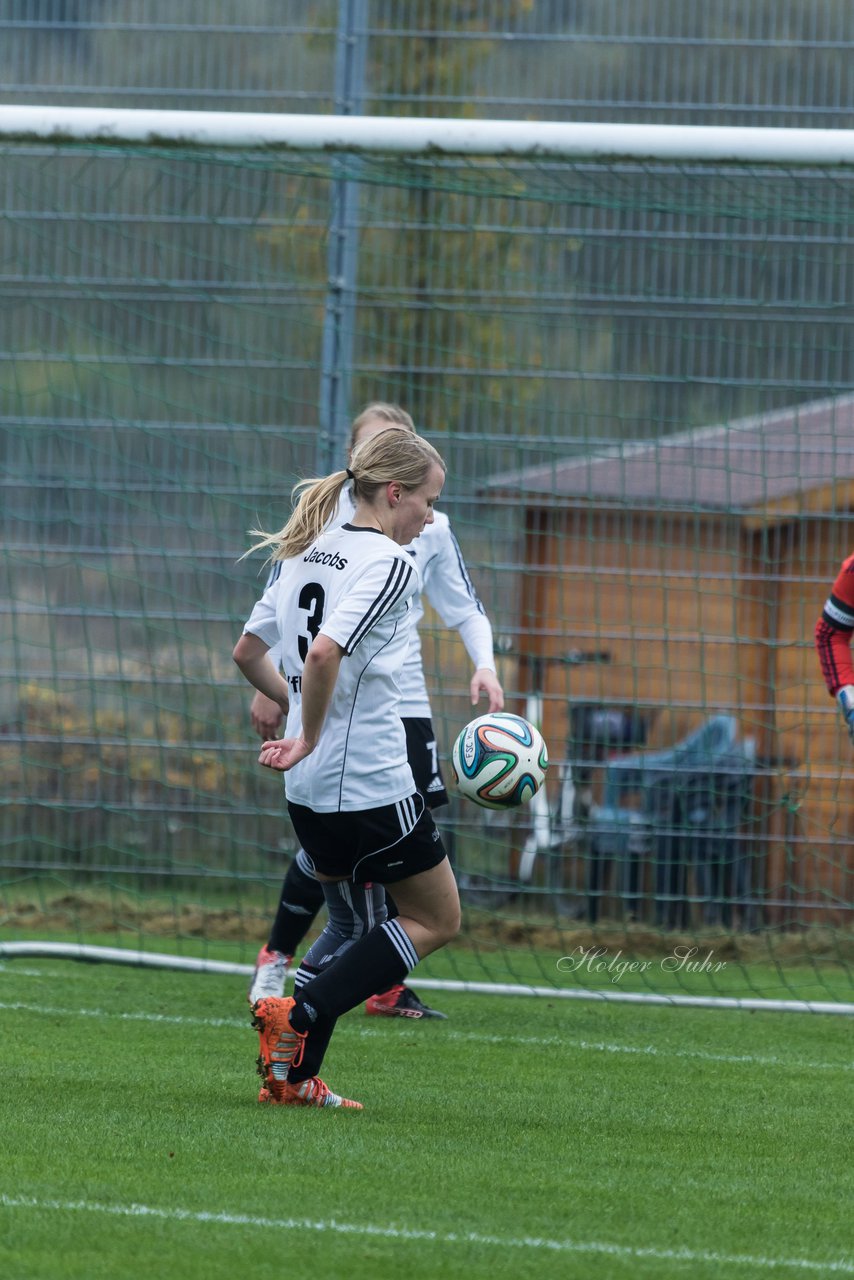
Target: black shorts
{"points": [[370, 846], [423, 756]]}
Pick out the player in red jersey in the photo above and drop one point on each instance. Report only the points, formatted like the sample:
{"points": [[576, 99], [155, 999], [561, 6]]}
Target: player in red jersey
{"points": [[833, 633]]}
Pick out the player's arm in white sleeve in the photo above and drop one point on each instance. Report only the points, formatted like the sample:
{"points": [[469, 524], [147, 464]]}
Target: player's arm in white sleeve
{"points": [[265, 714], [448, 587], [252, 652]]}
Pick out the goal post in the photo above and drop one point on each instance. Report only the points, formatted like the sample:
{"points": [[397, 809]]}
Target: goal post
{"points": [[436, 136], [634, 348]]}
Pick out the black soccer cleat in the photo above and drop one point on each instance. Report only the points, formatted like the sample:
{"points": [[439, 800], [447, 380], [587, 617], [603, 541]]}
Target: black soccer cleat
{"points": [[400, 1002]]}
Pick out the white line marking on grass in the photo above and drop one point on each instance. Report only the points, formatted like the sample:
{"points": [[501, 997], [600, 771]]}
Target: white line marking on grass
{"points": [[178, 1019], [478, 1037], [651, 1051], [760, 1261]]}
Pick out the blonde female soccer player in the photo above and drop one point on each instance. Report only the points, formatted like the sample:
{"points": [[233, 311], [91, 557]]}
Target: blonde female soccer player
{"points": [[342, 611]]}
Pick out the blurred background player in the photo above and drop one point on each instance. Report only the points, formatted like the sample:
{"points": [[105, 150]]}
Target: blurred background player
{"points": [[446, 584], [833, 633]]}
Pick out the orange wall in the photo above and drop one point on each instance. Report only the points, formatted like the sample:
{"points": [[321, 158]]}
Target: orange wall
{"points": [[666, 598], [702, 615]]}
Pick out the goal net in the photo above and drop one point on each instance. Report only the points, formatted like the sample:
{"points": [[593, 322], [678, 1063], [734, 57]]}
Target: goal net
{"points": [[638, 362]]}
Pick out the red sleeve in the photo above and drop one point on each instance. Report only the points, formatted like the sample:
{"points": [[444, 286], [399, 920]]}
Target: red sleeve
{"points": [[834, 655], [834, 629]]}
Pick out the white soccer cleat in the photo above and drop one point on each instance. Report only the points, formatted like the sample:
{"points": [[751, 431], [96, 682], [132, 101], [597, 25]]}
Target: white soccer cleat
{"points": [[268, 980]]}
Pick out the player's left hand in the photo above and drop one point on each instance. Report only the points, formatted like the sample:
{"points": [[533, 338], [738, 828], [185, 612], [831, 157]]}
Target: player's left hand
{"points": [[266, 716], [845, 699], [284, 753], [486, 681]]}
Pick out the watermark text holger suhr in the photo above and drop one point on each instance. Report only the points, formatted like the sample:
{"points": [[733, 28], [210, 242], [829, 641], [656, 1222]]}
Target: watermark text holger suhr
{"points": [[597, 960]]}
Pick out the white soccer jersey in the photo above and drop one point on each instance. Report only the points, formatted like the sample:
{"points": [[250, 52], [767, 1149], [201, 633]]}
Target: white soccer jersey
{"points": [[446, 584], [355, 586]]}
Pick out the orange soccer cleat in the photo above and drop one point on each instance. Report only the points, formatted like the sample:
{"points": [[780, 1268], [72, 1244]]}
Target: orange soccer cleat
{"points": [[281, 1046], [306, 1093]]}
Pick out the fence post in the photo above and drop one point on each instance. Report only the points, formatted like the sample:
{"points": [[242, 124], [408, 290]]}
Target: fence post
{"points": [[342, 257]]}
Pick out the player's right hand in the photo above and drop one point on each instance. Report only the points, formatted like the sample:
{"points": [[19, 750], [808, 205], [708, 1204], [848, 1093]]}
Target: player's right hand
{"points": [[266, 716], [284, 753], [486, 681], [845, 698]]}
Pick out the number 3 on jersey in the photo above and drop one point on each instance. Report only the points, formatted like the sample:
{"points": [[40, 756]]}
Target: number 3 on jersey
{"points": [[312, 599]]}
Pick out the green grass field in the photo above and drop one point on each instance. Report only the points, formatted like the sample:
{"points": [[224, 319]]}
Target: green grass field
{"points": [[523, 1138]]}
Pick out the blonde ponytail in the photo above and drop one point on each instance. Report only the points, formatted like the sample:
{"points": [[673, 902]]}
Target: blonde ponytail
{"points": [[394, 454], [315, 503]]}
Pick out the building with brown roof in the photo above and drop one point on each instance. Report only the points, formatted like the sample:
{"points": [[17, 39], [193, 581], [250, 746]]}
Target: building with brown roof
{"points": [[699, 563]]}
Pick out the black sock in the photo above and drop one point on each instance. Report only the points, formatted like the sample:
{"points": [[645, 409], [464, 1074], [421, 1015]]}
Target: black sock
{"points": [[393, 913], [374, 963], [319, 1035], [299, 902]]}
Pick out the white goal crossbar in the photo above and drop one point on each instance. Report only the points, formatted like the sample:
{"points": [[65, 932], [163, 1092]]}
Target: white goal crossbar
{"points": [[428, 136]]}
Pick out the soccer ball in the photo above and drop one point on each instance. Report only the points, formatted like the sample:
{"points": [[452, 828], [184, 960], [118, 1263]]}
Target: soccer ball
{"points": [[499, 760]]}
